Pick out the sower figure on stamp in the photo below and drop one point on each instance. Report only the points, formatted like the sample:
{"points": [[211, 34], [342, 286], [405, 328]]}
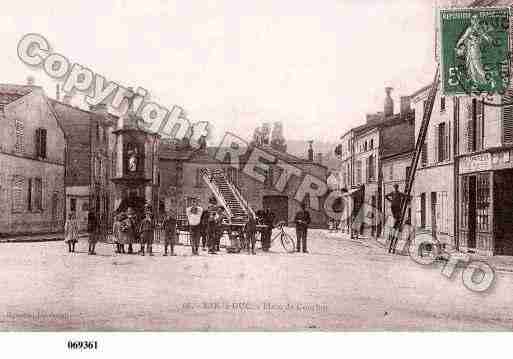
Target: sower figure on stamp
{"points": [[169, 226], [194, 213], [92, 229], [302, 220]]}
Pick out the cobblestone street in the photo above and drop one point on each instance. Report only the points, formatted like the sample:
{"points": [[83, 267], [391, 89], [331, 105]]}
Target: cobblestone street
{"points": [[340, 285]]}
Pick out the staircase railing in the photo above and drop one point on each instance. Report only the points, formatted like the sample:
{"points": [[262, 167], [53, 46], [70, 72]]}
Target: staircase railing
{"points": [[206, 178], [242, 200]]}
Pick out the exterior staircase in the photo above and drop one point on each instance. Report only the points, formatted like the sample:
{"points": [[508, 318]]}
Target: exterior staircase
{"points": [[228, 196]]}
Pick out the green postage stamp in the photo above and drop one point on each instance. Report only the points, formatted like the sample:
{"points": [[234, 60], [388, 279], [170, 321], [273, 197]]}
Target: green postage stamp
{"points": [[475, 50]]}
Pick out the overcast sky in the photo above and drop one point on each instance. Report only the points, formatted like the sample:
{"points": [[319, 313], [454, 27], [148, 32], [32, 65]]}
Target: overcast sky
{"points": [[318, 66]]}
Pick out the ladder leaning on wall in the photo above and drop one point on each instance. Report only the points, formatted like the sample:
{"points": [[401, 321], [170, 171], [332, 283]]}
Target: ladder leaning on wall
{"points": [[428, 110]]}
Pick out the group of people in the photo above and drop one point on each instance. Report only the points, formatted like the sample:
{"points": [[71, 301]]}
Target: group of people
{"points": [[206, 227]]}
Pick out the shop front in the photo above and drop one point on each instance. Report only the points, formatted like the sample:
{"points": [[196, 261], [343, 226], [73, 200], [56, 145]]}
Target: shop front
{"points": [[486, 193]]}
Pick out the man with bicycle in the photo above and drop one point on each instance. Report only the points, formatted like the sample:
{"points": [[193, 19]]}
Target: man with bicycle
{"points": [[302, 221]]}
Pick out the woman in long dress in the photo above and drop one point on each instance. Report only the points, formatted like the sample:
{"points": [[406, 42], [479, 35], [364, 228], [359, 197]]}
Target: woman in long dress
{"points": [[71, 232]]}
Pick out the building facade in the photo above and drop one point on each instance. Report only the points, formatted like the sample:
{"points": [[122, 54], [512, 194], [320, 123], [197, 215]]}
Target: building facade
{"points": [[181, 180], [395, 171], [32, 158], [434, 186], [88, 161]]}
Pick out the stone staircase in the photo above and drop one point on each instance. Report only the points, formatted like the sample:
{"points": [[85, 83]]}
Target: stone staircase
{"points": [[224, 192]]}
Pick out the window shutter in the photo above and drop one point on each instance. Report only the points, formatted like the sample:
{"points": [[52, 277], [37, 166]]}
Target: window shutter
{"points": [[448, 142], [435, 154], [507, 117], [43, 142], [29, 195], [38, 142]]}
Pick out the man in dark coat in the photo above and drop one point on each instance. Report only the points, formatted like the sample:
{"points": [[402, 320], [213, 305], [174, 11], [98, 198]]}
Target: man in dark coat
{"points": [[93, 230], [302, 221], [268, 219]]}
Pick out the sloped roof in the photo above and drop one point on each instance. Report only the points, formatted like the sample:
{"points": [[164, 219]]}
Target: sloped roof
{"points": [[10, 93], [73, 120]]}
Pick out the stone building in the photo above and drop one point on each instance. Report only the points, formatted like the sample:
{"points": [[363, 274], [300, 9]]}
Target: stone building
{"points": [[88, 160], [32, 158], [433, 189], [181, 180], [395, 169], [363, 147]]}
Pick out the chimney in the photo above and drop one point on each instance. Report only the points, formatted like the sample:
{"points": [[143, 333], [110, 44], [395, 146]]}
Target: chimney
{"points": [[310, 151], [57, 92], [405, 105], [319, 158], [389, 103], [67, 99]]}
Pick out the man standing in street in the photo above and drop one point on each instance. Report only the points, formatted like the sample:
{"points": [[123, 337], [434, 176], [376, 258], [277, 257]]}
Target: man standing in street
{"points": [[92, 228], [194, 213], [212, 226], [302, 220], [268, 219], [169, 226], [396, 199]]}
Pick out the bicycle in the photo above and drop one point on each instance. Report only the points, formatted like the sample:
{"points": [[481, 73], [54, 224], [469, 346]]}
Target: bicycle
{"points": [[286, 240]]}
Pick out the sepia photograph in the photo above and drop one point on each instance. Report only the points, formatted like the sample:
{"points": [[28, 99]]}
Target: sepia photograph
{"points": [[261, 166]]}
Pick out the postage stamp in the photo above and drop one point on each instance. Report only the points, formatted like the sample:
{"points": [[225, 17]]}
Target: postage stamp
{"points": [[475, 50]]}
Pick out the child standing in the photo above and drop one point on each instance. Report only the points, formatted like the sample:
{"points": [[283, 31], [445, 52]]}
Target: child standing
{"points": [[71, 232], [169, 226], [146, 234]]}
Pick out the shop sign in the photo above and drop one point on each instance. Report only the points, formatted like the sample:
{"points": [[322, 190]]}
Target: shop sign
{"points": [[476, 163]]}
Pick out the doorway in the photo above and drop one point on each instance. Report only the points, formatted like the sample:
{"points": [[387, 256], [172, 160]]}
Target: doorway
{"points": [[471, 242], [503, 199], [279, 205]]}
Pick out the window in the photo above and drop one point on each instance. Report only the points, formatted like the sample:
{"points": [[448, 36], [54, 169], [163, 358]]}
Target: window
{"points": [[422, 210], [73, 204], [442, 104], [407, 174], [38, 194], [483, 202], [370, 168], [29, 194], [365, 146], [371, 144], [475, 126], [441, 142], [19, 128], [199, 177], [391, 172], [17, 193], [423, 154], [359, 171], [507, 118], [41, 143]]}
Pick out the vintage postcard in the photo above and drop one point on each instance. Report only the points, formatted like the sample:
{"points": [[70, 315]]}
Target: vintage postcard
{"points": [[256, 166]]}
